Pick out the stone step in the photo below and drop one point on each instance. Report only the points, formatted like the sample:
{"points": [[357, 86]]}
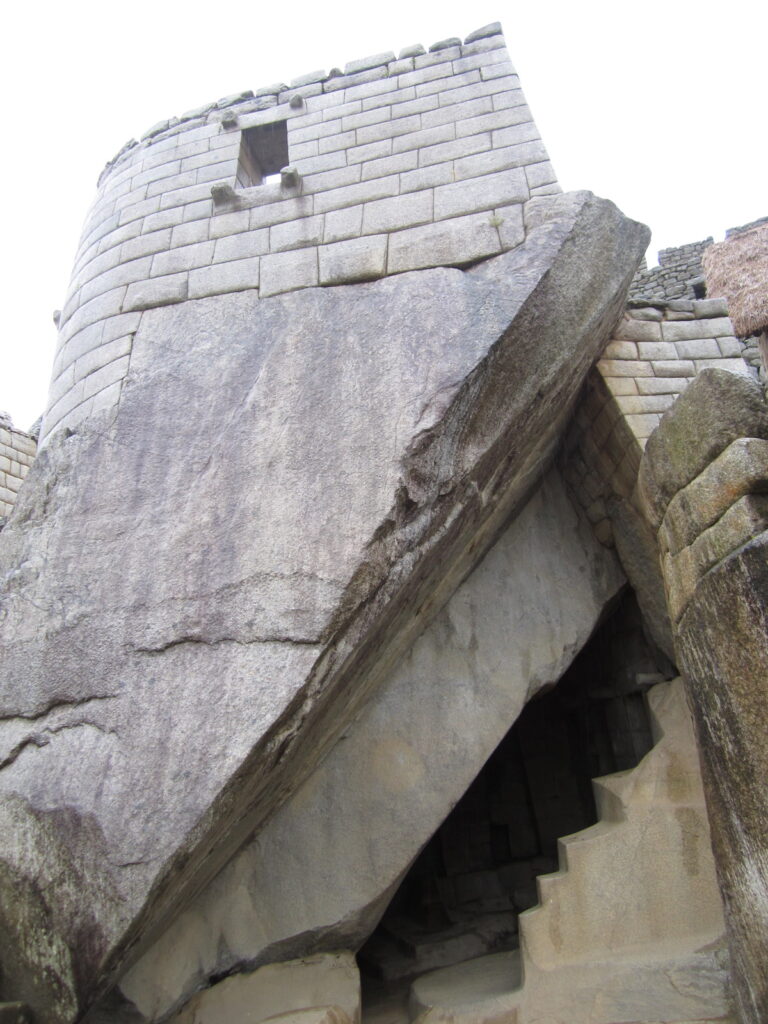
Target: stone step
{"points": [[610, 792], [402, 949], [486, 988]]}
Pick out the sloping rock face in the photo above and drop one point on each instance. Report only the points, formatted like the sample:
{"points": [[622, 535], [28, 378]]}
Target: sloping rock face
{"points": [[201, 587], [703, 480], [320, 872]]}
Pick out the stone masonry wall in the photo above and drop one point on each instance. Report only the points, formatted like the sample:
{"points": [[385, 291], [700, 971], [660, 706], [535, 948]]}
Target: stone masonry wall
{"points": [[679, 267], [17, 452], [398, 164], [678, 270], [654, 354]]}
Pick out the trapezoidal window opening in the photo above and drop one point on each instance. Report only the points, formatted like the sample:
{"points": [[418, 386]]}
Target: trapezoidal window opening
{"points": [[263, 154]]}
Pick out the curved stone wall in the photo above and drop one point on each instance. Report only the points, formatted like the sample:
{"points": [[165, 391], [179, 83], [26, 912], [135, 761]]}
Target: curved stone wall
{"points": [[17, 452], [396, 164]]}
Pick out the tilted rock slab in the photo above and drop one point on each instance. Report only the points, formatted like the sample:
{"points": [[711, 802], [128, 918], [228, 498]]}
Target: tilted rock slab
{"points": [[201, 588], [320, 872]]}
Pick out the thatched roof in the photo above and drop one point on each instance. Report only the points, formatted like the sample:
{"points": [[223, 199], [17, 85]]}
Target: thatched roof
{"points": [[737, 270]]}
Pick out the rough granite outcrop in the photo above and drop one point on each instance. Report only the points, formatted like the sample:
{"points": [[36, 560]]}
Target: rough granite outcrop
{"points": [[320, 872], [202, 585], [703, 481]]}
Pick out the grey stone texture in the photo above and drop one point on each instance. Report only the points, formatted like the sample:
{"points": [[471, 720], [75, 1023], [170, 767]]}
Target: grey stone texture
{"points": [[323, 989], [493, 29], [703, 481], [630, 926], [199, 630], [509, 630], [679, 267], [405, 130], [679, 278], [17, 452], [722, 408], [662, 355]]}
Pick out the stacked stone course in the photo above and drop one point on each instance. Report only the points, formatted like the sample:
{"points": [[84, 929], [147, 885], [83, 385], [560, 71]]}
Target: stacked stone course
{"points": [[654, 354], [397, 164], [17, 451], [679, 270]]}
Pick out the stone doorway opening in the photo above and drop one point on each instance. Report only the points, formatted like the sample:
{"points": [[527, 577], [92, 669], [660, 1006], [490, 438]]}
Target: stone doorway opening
{"points": [[462, 895]]}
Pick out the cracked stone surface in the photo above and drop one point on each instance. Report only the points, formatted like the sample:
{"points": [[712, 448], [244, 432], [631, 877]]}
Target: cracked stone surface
{"points": [[322, 869], [201, 588]]}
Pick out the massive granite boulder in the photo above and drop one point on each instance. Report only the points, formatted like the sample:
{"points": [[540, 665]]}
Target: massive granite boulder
{"points": [[320, 872], [202, 586]]}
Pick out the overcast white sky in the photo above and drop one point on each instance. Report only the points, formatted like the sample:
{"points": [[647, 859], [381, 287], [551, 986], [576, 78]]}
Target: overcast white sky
{"points": [[660, 106]]}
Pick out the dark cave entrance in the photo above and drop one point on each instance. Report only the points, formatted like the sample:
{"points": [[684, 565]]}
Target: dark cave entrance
{"points": [[462, 895]]}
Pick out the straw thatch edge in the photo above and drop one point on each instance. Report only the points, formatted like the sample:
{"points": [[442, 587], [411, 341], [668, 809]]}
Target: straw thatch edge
{"points": [[737, 270]]}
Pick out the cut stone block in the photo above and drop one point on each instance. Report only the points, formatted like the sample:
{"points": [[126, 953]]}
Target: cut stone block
{"points": [[716, 409], [359, 259], [185, 257], [691, 330], [701, 348], [741, 469], [637, 330], [397, 212], [484, 193], [620, 350], [344, 223], [657, 350], [459, 240], [744, 519], [496, 159], [160, 291], [366, 63], [674, 368], [492, 29], [287, 271], [296, 234], [232, 276], [677, 381]]}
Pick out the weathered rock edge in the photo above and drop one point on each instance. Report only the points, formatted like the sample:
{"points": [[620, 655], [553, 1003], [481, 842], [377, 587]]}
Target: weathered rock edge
{"points": [[460, 482]]}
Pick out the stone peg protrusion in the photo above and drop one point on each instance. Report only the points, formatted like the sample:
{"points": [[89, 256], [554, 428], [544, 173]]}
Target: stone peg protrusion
{"points": [[296, 102], [57, 316], [223, 195], [290, 177], [229, 119]]}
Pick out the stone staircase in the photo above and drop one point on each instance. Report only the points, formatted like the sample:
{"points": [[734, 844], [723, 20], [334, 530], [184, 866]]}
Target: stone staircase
{"points": [[630, 926]]}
